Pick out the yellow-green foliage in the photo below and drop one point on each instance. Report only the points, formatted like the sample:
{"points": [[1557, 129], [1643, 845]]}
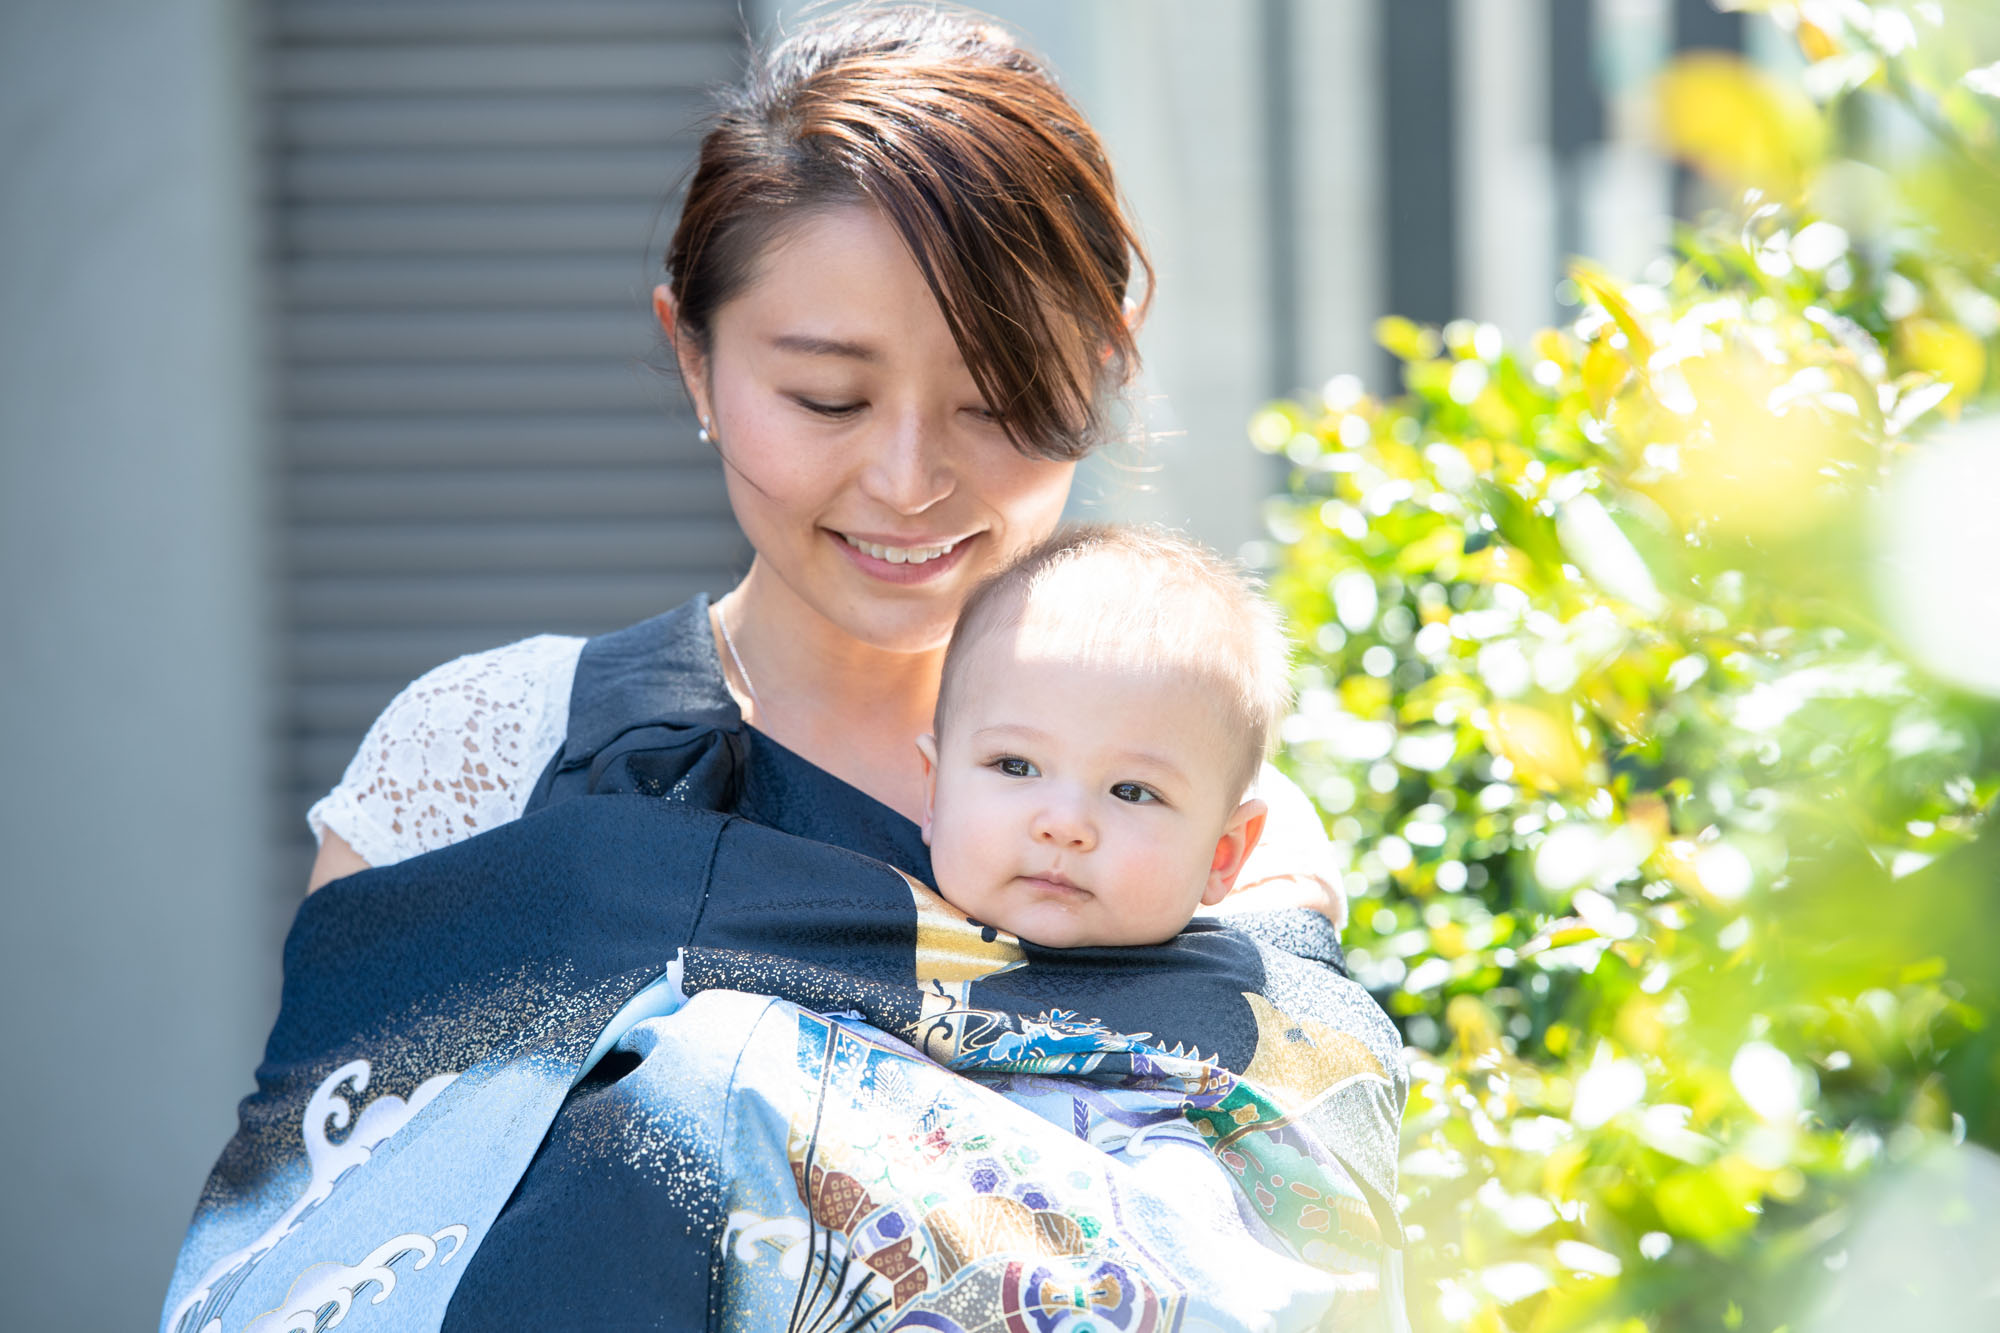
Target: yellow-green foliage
{"points": [[1636, 793]]}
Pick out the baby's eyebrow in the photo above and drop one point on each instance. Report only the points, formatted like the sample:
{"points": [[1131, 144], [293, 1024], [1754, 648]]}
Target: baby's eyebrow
{"points": [[1000, 729], [1146, 759]]}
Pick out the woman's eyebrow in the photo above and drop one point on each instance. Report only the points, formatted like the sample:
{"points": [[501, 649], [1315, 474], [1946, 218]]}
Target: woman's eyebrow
{"points": [[810, 345]]}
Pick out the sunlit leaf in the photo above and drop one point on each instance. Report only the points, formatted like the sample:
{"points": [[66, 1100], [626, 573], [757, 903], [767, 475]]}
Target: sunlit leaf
{"points": [[1749, 460], [1709, 1204], [1947, 351], [1814, 41], [1604, 373], [1603, 289], [1543, 750], [1406, 339], [1959, 199], [1738, 124]]}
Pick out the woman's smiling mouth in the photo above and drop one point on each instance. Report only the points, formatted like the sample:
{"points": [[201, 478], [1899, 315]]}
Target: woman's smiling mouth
{"points": [[899, 555], [895, 563]]}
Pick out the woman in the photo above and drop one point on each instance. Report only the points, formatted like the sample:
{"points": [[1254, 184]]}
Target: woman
{"points": [[899, 295]]}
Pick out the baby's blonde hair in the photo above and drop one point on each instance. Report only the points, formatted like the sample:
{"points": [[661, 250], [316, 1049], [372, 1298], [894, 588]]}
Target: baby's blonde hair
{"points": [[1146, 599]]}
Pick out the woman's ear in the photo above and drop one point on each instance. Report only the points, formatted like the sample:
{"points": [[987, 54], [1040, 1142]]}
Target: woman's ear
{"points": [[667, 311], [1233, 848], [927, 747], [693, 366], [1132, 315]]}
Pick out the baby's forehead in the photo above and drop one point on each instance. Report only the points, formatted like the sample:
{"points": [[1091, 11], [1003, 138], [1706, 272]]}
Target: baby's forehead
{"points": [[1085, 686], [1091, 662], [1097, 649], [1109, 612], [1099, 656], [1116, 606]]}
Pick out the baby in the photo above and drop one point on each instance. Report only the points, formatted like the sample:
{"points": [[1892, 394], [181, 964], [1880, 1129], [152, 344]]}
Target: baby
{"points": [[1107, 700]]}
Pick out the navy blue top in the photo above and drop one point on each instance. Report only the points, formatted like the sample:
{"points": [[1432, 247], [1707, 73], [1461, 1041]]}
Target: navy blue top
{"points": [[650, 714]]}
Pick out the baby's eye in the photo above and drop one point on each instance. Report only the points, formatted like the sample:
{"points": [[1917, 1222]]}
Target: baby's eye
{"points": [[1015, 768], [1134, 793]]}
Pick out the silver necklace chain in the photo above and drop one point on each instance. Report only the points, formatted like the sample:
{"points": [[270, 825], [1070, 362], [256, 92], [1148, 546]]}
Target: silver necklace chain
{"points": [[722, 623]]}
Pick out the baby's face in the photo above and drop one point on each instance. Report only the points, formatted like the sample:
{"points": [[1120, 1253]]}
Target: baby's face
{"points": [[1073, 804]]}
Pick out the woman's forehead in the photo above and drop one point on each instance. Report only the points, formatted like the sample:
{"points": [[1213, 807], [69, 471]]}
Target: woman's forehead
{"points": [[839, 283]]}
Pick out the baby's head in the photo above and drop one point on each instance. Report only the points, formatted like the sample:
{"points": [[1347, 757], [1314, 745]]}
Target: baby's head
{"points": [[1107, 700]]}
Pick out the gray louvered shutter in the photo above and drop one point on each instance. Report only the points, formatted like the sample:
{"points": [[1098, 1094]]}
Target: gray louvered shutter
{"points": [[479, 439]]}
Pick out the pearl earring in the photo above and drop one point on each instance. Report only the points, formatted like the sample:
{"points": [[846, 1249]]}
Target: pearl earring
{"points": [[703, 434]]}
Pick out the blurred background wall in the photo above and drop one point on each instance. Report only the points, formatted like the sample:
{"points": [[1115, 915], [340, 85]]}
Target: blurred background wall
{"points": [[137, 954], [326, 358]]}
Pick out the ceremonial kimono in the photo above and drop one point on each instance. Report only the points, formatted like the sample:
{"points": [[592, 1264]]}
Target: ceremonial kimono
{"points": [[693, 1045]]}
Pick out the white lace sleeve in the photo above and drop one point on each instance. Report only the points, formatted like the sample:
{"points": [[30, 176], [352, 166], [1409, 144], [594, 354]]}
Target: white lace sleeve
{"points": [[456, 752]]}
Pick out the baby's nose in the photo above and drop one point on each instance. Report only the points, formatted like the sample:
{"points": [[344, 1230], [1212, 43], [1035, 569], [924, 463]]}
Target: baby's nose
{"points": [[1065, 827]]}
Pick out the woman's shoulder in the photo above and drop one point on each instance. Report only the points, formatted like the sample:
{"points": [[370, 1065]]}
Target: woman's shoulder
{"points": [[511, 687], [455, 752], [520, 664]]}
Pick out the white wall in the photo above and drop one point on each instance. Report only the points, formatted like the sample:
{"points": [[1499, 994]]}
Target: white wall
{"points": [[1507, 201], [1628, 188], [136, 967], [1173, 88], [1339, 171]]}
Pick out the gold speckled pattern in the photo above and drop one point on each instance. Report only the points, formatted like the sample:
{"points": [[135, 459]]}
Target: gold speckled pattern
{"points": [[1300, 1061]]}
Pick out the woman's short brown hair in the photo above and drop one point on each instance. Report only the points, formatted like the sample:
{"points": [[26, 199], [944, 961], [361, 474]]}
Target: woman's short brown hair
{"points": [[989, 173]]}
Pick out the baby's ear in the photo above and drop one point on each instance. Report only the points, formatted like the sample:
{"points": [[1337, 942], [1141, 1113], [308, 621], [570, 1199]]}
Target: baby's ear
{"points": [[927, 747], [1233, 848]]}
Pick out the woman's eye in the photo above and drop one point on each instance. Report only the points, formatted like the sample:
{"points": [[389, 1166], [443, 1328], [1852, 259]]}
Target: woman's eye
{"points": [[827, 409], [1015, 768], [1134, 793]]}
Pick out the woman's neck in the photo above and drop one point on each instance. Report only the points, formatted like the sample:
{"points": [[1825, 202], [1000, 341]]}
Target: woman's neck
{"points": [[853, 709]]}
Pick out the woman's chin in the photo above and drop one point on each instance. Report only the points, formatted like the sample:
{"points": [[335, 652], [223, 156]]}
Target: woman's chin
{"points": [[891, 624]]}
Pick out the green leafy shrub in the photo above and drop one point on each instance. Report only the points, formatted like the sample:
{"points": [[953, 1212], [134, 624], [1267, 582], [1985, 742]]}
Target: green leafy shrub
{"points": [[1639, 796]]}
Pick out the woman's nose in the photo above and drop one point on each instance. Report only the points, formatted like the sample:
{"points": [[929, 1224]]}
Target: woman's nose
{"points": [[911, 470]]}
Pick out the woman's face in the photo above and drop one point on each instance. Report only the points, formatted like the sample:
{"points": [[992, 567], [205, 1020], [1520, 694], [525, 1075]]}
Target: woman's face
{"points": [[863, 462]]}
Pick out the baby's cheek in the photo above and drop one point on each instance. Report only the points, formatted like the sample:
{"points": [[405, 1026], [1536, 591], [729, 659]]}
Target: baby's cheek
{"points": [[1135, 875], [1176, 871], [944, 858], [958, 863]]}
